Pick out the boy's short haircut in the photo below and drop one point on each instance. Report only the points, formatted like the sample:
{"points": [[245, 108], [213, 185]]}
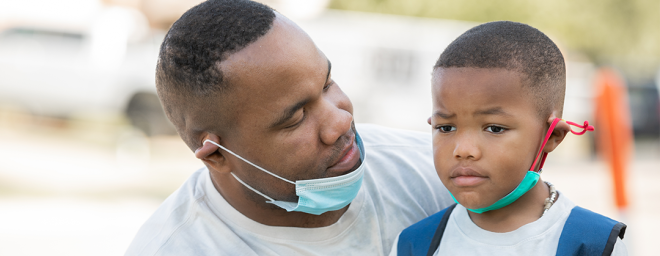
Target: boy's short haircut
{"points": [[518, 47]]}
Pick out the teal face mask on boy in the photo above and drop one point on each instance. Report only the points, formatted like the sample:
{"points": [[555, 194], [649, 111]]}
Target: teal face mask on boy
{"points": [[532, 177], [316, 196]]}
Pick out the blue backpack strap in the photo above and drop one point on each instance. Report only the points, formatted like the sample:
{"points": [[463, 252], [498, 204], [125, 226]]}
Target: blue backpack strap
{"points": [[418, 238], [437, 237], [587, 233]]}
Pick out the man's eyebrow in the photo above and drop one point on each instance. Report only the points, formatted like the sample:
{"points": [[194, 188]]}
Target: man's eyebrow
{"points": [[289, 112], [443, 115], [492, 111]]}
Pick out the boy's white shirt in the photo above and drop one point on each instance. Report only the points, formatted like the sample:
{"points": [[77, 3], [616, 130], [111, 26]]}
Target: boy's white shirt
{"points": [[540, 238]]}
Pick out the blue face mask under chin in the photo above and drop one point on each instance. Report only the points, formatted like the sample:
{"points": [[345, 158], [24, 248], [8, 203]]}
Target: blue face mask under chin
{"points": [[316, 196]]}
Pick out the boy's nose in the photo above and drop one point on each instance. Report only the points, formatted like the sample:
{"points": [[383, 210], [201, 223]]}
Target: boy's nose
{"points": [[467, 149]]}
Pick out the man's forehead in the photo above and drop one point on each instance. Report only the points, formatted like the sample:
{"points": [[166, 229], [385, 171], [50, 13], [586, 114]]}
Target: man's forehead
{"points": [[275, 72], [282, 40], [285, 52]]}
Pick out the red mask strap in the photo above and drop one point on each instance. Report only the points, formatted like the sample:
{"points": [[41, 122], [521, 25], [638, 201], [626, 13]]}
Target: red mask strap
{"points": [[547, 137], [586, 127]]}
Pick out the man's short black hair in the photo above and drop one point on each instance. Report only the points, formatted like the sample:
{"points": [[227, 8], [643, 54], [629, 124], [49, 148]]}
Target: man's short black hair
{"points": [[188, 73], [518, 47], [203, 37]]}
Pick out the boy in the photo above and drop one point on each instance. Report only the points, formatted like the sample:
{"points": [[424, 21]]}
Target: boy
{"points": [[497, 90]]}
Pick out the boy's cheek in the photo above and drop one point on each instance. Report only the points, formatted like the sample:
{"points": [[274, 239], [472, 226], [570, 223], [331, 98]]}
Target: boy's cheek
{"points": [[442, 171], [442, 160]]}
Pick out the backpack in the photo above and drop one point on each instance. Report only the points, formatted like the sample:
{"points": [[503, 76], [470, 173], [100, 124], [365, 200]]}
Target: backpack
{"points": [[585, 233]]}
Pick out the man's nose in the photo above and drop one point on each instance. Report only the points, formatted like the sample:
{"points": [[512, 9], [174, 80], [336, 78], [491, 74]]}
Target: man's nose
{"points": [[466, 147], [335, 122]]}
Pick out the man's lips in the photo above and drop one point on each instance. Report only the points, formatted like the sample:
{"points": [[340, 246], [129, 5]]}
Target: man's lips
{"points": [[466, 177], [350, 156]]}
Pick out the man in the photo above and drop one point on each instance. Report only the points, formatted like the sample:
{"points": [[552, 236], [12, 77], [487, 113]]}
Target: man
{"points": [[287, 173]]}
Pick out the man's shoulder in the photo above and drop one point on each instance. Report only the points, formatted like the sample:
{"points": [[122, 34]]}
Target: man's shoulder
{"points": [[399, 173], [172, 218], [396, 150], [376, 135], [416, 239], [424, 228]]}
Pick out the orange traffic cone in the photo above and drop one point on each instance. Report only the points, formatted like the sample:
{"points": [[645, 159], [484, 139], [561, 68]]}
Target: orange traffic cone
{"points": [[614, 136]]}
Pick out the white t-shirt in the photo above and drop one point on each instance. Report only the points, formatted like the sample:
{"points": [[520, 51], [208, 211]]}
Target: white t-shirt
{"points": [[539, 238], [400, 187]]}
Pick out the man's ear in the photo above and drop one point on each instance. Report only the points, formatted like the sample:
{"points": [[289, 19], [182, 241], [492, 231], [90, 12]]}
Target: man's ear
{"points": [[558, 134], [210, 154]]}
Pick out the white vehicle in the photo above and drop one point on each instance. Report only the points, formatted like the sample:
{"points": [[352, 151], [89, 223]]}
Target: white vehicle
{"points": [[104, 66]]}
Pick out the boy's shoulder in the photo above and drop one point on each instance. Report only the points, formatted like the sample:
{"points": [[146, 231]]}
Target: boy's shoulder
{"points": [[418, 238], [586, 231]]}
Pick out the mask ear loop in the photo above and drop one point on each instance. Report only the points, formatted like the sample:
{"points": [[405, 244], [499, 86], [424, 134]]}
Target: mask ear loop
{"points": [[586, 127], [245, 160], [545, 155]]}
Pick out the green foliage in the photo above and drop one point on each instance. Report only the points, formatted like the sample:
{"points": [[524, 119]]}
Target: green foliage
{"points": [[624, 33]]}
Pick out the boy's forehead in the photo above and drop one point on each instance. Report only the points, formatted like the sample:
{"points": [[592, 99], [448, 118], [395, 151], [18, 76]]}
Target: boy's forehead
{"points": [[473, 74], [471, 80], [479, 90]]}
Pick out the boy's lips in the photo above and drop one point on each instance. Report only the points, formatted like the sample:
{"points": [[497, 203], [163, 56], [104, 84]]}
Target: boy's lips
{"points": [[466, 177], [349, 158]]}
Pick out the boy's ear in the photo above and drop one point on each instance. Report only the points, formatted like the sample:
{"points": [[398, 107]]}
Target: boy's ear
{"points": [[212, 155], [558, 134]]}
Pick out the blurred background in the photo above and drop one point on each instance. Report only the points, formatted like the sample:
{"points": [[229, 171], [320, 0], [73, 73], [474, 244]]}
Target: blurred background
{"points": [[86, 154]]}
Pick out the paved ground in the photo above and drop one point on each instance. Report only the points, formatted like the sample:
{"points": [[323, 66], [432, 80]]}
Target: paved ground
{"points": [[84, 188]]}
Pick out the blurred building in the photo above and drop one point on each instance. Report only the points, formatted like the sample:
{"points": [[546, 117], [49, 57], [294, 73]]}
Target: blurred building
{"points": [[90, 56]]}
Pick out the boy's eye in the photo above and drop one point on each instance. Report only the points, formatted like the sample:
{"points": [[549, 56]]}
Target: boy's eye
{"points": [[446, 128], [495, 129]]}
